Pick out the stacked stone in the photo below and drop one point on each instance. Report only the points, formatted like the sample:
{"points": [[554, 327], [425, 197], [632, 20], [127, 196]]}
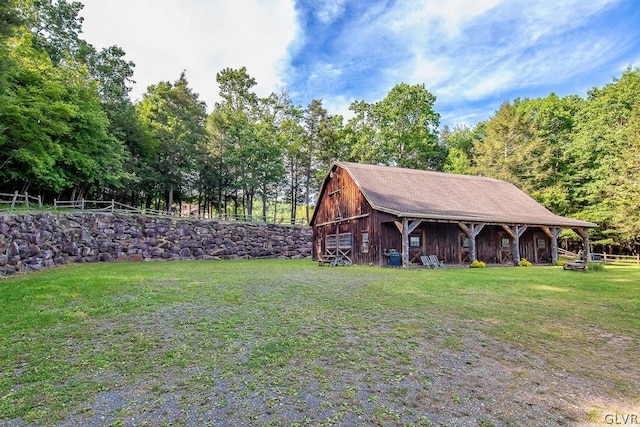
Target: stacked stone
{"points": [[42, 240]]}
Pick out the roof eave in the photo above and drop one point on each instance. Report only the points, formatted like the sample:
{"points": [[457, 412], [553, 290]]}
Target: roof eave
{"points": [[481, 219]]}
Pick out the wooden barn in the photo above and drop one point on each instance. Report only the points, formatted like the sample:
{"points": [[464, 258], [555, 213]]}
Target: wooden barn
{"points": [[382, 215]]}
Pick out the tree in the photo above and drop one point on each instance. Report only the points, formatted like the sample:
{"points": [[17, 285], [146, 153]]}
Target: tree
{"points": [[459, 143], [399, 130], [552, 121], [235, 131], [173, 119], [244, 129], [56, 27], [9, 22], [54, 134], [602, 153], [625, 192], [320, 147], [501, 153]]}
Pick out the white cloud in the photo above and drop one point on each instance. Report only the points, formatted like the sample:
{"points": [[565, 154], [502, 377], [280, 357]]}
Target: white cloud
{"points": [[328, 10], [468, 51], [165, 37], [338, 105], [444, 17]]}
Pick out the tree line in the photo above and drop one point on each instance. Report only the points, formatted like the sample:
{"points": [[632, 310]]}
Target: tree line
{"points": [[69, 130]]}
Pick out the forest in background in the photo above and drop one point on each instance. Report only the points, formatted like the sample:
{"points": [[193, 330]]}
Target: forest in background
{"points": [[69, 130]]}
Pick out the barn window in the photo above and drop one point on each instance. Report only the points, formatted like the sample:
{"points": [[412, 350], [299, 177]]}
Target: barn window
{"points": [[541, 243], [345, 240], [331, 241], [365, 241], [414, 241], [464, 241], [506, 242]]}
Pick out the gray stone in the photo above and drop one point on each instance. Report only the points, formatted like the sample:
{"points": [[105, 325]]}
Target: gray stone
{"points": [[29, 242]]}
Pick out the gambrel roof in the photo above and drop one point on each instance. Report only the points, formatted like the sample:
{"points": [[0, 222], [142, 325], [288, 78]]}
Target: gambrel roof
{"points": [[431, 195]]}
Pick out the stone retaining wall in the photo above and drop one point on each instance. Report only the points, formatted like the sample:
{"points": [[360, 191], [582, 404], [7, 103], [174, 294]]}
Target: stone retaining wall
{"points": [[31, 242]]}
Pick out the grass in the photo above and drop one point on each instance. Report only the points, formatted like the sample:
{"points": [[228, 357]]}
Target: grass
{"points": [[290, 343]]}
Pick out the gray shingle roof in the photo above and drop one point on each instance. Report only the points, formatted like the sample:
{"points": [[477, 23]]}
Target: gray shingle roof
{"points": [[436, 195]]}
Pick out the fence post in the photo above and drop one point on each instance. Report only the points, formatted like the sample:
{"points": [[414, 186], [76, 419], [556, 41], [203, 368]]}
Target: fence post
{"points": [[55, 204], [39, 201], [82, 204], [26, 200], [13, 201], [113, 205]]}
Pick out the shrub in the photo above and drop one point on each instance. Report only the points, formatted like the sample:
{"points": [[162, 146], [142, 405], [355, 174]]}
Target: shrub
{"points": [[524, 263], [595, 266], [560, 263], [477, 264]]}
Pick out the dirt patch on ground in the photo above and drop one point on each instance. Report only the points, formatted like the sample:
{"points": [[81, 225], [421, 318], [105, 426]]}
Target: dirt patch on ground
{"points": [[380, 372], [313, 356]]}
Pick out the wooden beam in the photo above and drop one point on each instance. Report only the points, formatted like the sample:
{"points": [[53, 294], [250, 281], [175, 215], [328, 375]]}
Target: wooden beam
{"points": [[551, 232], [464, 228], [336, 221], [414, 225], [509, 231], [398, 226], [581, 232]]}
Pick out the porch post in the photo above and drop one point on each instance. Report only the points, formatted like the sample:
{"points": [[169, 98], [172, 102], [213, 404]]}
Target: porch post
{"points": [[554, 245], [587, 247], [472, 243], [515, 232], [472, 231], [519, 229], [584, 233], [405, 243], [553, 233]]}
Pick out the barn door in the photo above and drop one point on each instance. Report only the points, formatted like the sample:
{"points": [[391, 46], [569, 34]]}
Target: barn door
{"points": [[505, 249], [415, 248], [464, 250], [542, 254]]}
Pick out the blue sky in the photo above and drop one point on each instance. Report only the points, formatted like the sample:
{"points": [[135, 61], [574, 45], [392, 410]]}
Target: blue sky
{"points": [[472, 54]]}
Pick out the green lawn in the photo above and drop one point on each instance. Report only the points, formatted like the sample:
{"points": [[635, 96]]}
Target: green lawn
{"points": [[291, 343]]}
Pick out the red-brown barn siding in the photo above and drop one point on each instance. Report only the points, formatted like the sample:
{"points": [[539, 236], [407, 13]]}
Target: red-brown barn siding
{"points": [[343, 210]]}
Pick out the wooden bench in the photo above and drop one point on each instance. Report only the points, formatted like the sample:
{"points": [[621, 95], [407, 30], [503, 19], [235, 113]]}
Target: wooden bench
{"points": [[575, 265], [334, 261], [326, 259]]}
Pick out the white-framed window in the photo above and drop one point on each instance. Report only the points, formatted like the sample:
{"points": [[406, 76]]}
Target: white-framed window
{"points": [[331, 242], [541, 243], [365, 241], [505, 243], [414, 241], [465, 242]]}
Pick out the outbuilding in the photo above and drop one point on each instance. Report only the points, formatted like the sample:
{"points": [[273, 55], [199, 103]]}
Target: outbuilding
{"points": [[370, 214]]}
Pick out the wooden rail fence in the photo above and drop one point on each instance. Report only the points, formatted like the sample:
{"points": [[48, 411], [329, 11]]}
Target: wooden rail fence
{"points": [[24, 201], [16, 201], [602, 257]]}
